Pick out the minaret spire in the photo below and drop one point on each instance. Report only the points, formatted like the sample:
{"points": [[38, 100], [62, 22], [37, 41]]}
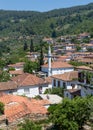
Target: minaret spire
{"points": [[49, 60]]}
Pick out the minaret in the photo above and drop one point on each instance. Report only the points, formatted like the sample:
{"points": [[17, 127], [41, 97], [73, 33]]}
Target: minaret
{"points": [[49, 60]]}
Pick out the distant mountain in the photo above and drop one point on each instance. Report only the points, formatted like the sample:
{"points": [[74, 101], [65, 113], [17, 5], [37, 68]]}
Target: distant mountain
{"points": [[53, 23]]}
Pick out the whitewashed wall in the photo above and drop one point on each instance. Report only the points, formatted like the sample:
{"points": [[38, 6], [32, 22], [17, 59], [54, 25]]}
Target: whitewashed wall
{"points": [[67, 94], [57, 70], [86, 91], [68, 84], [33, 90]]}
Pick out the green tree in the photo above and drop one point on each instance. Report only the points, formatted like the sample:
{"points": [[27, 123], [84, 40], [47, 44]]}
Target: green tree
{"points": [[78, 48], [25, 46], [1, 108], [4, 76], [41, 58], [29, 125], [31, 46], [30, 66], [54, 34], [59, 91], [71, 114], [2, 63], [76, 63]]}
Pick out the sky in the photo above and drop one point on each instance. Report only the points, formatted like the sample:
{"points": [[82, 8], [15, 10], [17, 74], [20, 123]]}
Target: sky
{"points": [[40, 5]]}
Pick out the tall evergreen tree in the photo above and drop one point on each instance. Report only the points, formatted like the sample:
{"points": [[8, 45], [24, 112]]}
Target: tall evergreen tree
{"points": [[31, 46], [54, 34], [41, 59], [25, 46]]}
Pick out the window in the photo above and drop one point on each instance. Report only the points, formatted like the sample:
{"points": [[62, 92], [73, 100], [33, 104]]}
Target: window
{"points": [[10, 91], [64, 85], [66, 94], [58, 84], [26, 90], [54, 82], [81, 76], [73, 86], [40, 90]]}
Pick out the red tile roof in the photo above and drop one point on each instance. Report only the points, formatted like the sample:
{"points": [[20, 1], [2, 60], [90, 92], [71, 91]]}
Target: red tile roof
{"points": [[19, 64], [58, 65], [67, 76], [16, 72], [8, 85], [17, 107], [28, 79], [48, 79], [84, 68]]}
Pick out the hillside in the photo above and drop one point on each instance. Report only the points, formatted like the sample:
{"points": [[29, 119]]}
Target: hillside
{"points": [[18, 27], [60, 21]]}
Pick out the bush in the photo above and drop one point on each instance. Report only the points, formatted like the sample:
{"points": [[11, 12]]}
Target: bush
{"points": [[59, 91]]}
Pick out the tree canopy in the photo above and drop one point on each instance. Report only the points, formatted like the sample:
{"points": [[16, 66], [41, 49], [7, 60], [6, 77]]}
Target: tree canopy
{"points": [[29, 125], [30, 66], [71, 114]]}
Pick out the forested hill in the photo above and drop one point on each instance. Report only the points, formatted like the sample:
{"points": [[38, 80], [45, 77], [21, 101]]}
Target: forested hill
{"points": [[54, 23]]}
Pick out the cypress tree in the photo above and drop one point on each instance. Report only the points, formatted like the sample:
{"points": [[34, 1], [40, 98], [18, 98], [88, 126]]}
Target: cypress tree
{"points": [[31, 46], [41, 60], [25, 46]]}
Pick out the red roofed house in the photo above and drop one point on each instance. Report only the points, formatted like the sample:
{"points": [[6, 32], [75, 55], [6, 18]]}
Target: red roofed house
{"points": [[68, 81], [18, 107], [17, 66], [30, 85], [25, 84], [57, 68]]}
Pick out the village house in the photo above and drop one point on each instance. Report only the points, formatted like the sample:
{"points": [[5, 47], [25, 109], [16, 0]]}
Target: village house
{"points": [[67, 80], [72, 93], [83, 35], [85, 80], [26, 84], [17, 108], [89, 46], [91, 40], [86, 60], [63, 58], [80, 54], [69, 47], [15, 72], [57, 67], [16, 66], [48, 40]]}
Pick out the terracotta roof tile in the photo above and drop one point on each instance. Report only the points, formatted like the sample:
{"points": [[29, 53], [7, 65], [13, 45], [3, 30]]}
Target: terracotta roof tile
{"points": [[58, 65], [16, 72], [48, 79], [20, 64], [28, 79], [84, 68], [17, 107], [8, 85], [67, 76]]}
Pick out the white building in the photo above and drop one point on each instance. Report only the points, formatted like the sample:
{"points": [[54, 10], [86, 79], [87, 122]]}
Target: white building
{"points": [[68, 80], [57, 68], [25, 84], [72, 93], [17, 66]]}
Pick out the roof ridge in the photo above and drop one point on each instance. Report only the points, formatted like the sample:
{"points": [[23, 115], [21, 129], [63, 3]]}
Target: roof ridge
{"points": [[25, 78]]}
